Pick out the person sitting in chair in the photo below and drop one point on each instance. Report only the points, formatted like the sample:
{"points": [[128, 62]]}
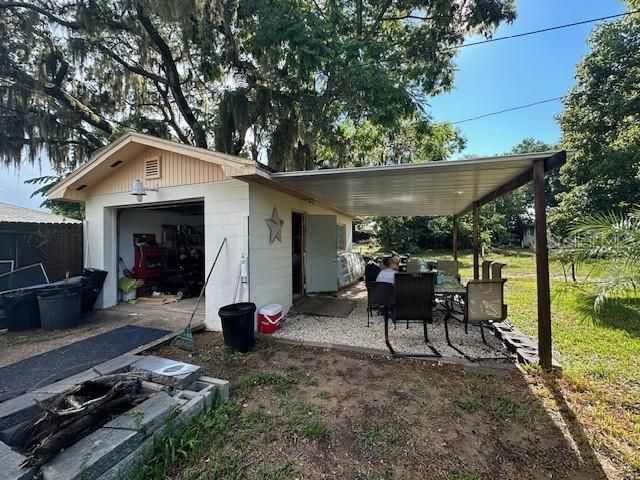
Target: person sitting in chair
{"points": [[388, 273]]}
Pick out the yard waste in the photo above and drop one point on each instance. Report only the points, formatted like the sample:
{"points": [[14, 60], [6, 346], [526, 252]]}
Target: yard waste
{"points": [[238, 330], [80, 410]]}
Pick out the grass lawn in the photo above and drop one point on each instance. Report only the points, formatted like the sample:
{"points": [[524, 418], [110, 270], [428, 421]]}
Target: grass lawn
{"points": [[305, 413], [600, 357]]}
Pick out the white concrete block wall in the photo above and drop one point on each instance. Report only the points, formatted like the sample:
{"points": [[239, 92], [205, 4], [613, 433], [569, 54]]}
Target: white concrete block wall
{"points": [[226, 209], [226, 212], [270, 265]]}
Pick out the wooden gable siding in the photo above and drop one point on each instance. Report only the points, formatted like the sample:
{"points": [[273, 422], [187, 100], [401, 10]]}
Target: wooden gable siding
{"points": [[175, 170]]}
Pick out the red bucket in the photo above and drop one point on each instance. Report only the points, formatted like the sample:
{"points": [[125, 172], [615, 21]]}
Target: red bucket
{"points": [[269, 318]]}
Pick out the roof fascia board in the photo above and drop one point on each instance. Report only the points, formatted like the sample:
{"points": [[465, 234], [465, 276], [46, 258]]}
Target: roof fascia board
{"points": [[232, 166], [417, 166], [550, 163], [264, 178], [59, 189]]}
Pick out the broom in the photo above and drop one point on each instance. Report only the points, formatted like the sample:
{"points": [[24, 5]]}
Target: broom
{"points": [[184, 340]]}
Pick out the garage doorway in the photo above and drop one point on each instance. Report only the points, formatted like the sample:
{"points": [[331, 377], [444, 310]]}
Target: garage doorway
{"points": [[163, 245]]}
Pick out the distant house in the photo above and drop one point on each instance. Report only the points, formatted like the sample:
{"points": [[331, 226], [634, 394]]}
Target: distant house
{"points": [[29, 236], [528, 237], [16, 214], [527, 231]]}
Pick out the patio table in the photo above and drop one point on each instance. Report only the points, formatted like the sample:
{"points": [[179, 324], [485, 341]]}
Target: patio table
{"points": [[452, 292], [450, 287]]}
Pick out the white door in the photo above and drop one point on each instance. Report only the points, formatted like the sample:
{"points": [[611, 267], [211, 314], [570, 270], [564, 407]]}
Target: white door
{"points": [[321, 254]]}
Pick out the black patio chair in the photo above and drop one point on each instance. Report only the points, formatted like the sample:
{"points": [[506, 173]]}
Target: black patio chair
{"points": [[371, 272], [379, 295], [413, 301]]}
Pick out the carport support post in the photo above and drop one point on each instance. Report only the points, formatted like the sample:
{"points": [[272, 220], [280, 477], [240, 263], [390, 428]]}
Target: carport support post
{"points": [[476, 241], [542, 267], [455, 237]]}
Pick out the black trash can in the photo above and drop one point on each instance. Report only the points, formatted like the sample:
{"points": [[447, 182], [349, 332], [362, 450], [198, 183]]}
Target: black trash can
{"points": [[91, 286], [60, 307], [21, 310], [238, 326]]}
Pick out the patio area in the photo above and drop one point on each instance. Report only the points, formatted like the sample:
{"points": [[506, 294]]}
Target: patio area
{"points": [[352, 331]]}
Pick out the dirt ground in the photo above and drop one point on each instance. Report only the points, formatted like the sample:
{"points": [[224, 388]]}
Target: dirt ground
{"points": [[308, 413], [16, 346]]}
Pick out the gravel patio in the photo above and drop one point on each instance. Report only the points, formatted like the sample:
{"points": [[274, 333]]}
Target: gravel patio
{"points": [[353, 332]]}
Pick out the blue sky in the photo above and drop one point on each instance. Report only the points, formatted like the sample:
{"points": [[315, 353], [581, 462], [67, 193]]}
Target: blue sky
{"points": [[509, 73], [490, 77]]}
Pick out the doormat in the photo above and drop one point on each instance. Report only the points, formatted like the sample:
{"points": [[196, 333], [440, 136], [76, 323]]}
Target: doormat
{"points": [[40, 370], [324, 306]]}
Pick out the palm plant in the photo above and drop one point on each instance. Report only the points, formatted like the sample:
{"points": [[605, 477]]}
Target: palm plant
{"points": [[616, 239]]}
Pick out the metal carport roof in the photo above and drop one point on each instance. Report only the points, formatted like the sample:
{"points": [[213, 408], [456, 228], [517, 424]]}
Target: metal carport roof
{"points": [[431, 189]]}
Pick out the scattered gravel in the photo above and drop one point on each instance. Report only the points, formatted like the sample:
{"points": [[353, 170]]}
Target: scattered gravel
{"points": [[353, 331]]}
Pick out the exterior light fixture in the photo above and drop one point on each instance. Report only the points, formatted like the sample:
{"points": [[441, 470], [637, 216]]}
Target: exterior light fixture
{"points": [[139, 190]]}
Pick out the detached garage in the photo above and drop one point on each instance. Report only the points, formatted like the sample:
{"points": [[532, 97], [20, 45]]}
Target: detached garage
{"points": [[161, 210]]}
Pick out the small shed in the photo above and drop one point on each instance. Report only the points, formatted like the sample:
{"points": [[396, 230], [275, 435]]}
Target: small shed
{"points": [[162, 209]]}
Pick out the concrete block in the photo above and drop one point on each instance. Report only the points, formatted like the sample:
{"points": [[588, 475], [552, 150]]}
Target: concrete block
{"points": [[206, 390], [147, 417], [513, 341], [124, 468], [153, 364], [189, 408], [528, 356], [117, 365], [501, 329], [10, 462], [93, 455], [24, 407], [222, 387]]}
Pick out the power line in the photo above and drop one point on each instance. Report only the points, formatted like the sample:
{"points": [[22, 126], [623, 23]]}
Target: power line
{"points": [[543, 30], [520, 107], [507, 37]]}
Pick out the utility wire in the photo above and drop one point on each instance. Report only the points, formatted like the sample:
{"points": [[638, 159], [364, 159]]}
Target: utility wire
{"points": [[548, 29], [496, 39], [520, 107]]}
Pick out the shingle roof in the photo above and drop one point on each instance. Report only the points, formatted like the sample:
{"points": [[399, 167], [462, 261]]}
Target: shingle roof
{"points": [[15, 214]]}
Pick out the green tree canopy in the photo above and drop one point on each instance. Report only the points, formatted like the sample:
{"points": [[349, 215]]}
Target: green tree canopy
{"points": [[286, 77], [601, 122]]}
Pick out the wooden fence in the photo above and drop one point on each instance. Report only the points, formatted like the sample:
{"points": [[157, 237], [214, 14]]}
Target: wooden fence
{"points": [[58, 246]]}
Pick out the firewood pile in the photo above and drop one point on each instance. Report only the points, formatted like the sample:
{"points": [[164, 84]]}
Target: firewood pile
{"points": [[76, 413]]}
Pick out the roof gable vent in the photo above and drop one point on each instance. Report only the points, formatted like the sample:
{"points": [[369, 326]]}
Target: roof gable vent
{"points": [[152, 168]]}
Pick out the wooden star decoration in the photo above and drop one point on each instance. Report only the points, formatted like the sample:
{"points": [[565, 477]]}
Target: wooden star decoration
{"points": [[275, 226]]}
